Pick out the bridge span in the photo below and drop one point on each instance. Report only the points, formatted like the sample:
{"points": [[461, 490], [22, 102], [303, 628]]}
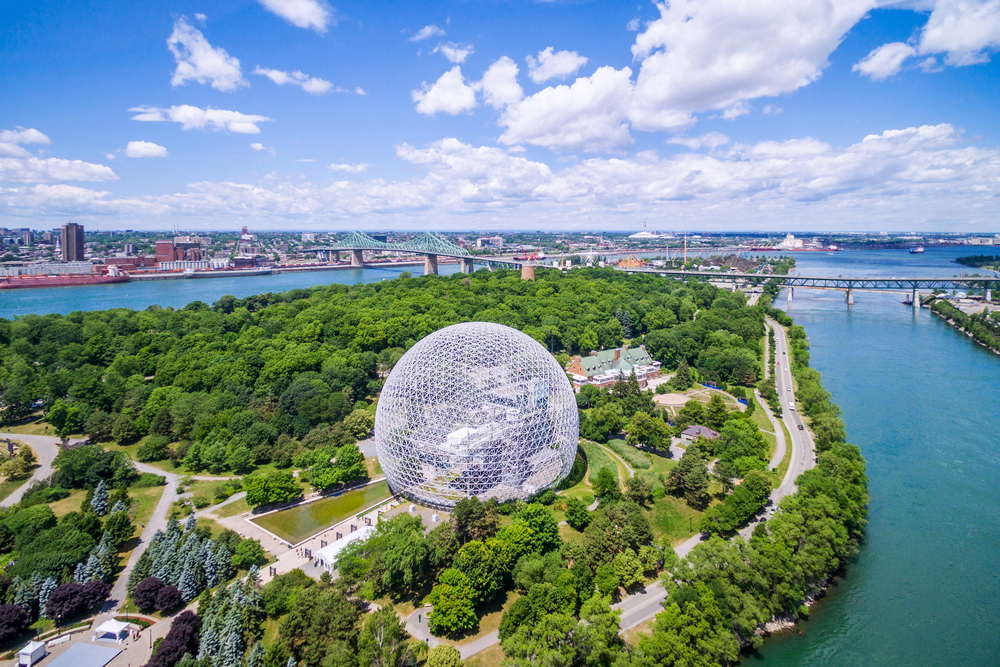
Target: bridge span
{"points": [[848, 285], [429, 244]]}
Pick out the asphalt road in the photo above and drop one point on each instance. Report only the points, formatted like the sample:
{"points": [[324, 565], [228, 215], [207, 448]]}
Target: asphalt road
{"points": [[803, 449]]}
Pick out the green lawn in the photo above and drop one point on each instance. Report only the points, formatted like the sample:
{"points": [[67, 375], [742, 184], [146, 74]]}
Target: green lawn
{"points": [[10, 486], [671, 518], [232, 509], [776, 477], [298, 523], [147, 499], [70, 503], [597, 458]]}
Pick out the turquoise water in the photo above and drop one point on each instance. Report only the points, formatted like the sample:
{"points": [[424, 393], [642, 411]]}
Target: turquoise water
{"points": [[919, 399], [139, 295]]}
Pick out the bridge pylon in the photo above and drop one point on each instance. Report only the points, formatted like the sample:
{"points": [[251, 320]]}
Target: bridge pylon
{"points": [[358, 258], [850, 296], [468, 266], [430, 265]]}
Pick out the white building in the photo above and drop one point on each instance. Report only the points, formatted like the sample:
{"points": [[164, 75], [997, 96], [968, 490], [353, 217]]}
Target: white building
{"points": [[327, 556], [30, 654]]}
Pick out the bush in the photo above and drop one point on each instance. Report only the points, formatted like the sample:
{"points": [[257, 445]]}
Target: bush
{"points": [[182, 638], [146, 593], [93, 593], [156, 448], [168, 598], [148, 479], [248, 553], [65, 601], [13, 622]]}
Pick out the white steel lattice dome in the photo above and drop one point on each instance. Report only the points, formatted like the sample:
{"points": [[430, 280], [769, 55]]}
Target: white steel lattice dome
{"points": [[476, 409]]}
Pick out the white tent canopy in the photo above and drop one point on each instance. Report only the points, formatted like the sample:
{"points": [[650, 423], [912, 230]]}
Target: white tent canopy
{"points": [[116, 629]]}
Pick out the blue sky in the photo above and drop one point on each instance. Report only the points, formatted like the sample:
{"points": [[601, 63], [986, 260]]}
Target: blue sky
{"points": [[697, 115]]}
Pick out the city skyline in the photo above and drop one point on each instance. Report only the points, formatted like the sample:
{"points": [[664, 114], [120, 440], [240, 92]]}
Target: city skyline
{"points": [[299, 115]]}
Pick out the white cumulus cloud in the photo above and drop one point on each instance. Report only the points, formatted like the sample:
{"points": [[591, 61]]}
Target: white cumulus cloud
{"points": [[310, 84], [554, 65], [144, 149], [909, 178], [885, 61], [197, 60], [701, 55], [449, 94], [456, 53], [12, 150], [358, 168], [426, 32], [192, 118], [499, 84], [52, 170], [309, 14], [967, 32], [20, 135], [589, 115]]}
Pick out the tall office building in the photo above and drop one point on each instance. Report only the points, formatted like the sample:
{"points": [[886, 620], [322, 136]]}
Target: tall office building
{"points": [[72, 242]]}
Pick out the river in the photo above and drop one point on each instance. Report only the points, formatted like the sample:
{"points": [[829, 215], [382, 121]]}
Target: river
{"points": [[919, 399], [140, 294]]}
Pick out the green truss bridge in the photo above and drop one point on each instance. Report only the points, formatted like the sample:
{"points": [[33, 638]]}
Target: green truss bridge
{"points": [[848, 285], [429, 244]]}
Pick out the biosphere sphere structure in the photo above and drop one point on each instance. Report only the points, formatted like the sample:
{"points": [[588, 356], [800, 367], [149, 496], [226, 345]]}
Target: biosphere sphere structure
{"points": [[476, 409]]}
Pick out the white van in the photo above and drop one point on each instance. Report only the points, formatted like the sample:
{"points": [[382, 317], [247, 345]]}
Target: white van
{"points": [[791, 405]]}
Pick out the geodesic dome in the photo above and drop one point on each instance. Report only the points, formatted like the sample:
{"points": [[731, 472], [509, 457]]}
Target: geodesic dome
{"points": [[476, 409]]}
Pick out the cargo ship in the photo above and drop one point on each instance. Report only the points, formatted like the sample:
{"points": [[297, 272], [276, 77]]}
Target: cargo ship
{"points": [[114, 275], [916, 251]]}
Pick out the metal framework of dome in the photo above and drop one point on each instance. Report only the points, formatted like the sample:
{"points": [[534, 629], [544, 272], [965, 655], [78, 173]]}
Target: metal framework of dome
{"points": [[476, 409]]}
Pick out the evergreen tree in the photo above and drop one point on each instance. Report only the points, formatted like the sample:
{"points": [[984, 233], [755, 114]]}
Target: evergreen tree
{"points": [[224, 563], [119, 507], [256, 657], [99, 503], [94, 569], [48, 586], [190, 524], [23, 597], [209, 645], [208, 563], [232, 639], [173, 528], [80, 573], [188, 586]]}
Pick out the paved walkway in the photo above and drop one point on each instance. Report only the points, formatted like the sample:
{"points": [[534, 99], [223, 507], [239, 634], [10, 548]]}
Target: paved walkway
{"points": [[46, 448], [631, 471], [158, 521]]}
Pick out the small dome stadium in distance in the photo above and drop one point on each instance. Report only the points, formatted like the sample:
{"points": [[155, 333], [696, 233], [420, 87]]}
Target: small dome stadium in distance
{"points": [[476, 409]]}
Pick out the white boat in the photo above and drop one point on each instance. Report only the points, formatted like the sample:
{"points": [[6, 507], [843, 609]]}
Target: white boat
{"points": [[916, 251]]}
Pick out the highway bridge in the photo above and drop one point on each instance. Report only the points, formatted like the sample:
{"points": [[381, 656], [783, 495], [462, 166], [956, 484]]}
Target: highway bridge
{"points": [[429, 244], [903, 284]]}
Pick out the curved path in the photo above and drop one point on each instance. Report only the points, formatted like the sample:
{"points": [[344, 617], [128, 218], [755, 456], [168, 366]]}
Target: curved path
{"points": [[631, 471], [46, 448]]}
